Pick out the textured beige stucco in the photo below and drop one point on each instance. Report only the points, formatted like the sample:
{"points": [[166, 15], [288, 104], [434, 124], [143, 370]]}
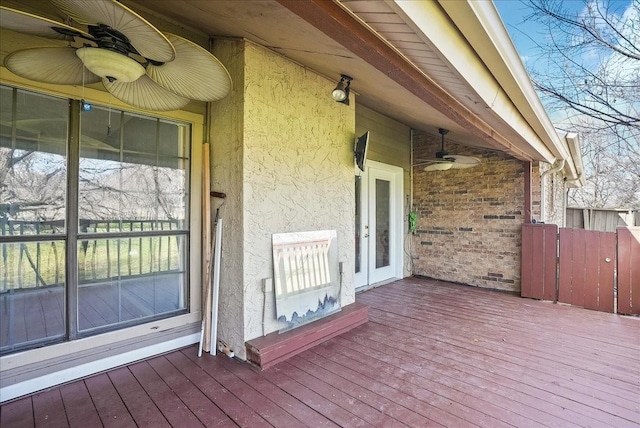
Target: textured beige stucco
{"points": [[226, 137], [282, 151]]}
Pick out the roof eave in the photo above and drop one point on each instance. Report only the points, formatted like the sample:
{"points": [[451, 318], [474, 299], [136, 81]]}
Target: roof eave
{"points": [[482, 26]]}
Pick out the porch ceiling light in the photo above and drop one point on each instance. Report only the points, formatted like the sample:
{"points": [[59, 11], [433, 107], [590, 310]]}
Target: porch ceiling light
{"points": [[341, 92]]}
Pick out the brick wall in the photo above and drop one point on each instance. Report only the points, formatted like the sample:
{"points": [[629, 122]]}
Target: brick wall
{"points": [[469, 220]]}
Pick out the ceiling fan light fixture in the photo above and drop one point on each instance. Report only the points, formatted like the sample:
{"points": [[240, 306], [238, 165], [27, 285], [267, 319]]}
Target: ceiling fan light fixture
{"points": [[110, 65]]}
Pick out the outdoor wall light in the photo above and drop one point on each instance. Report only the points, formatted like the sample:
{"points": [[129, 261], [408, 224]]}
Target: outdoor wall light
{"points": [[341, 92]]}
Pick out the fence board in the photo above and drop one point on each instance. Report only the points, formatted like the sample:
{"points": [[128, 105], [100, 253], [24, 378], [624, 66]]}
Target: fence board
{"points": [[629, 270], [607, 272], [550, 270], [591, 258], [586, 279], [565, 265], [527, 262], [539, 261]]}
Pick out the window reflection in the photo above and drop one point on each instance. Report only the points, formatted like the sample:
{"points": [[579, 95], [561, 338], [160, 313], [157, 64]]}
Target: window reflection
{"points": [[129, 279], [132, 168], [31, 292], [383, 204], [33, 170]]}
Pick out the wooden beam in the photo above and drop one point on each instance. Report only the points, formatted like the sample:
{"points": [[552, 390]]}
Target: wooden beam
{"points": [[337, 23], [527, 192]]}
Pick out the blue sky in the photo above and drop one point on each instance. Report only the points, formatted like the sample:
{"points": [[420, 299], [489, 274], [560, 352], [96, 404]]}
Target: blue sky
{"points": [[514, 12]]}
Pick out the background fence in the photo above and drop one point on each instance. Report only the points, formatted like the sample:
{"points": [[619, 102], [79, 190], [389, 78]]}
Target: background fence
{"points": [[595, 270], [601, 220]]}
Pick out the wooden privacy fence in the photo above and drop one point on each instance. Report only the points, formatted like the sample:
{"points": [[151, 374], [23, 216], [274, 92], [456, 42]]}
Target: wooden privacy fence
{"points": [[595, 270]]}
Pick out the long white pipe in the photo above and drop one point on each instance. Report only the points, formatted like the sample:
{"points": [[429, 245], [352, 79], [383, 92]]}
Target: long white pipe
{"points": [[543, 198]]}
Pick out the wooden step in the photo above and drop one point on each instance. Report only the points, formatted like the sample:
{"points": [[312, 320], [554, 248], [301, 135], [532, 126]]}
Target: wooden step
{"points": [[275, 347]]}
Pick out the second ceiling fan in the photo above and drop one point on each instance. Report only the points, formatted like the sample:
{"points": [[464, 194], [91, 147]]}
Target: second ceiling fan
{"points": [[444, 161]]}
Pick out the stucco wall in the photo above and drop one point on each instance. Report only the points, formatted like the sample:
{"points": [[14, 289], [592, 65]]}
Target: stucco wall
{"points": [[282, 151], [469, 220], [298, 171], [226, 137]]}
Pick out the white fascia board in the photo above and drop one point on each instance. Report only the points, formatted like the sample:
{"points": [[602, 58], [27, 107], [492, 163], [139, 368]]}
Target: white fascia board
{"points": [[433, 21], [482, 25]]}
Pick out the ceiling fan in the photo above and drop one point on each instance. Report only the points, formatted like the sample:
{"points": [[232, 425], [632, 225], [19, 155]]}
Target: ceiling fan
{"points": [[109, 42], [444, 161]]}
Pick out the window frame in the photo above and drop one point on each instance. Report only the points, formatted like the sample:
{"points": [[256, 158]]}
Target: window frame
{"points": [[78, 342]]}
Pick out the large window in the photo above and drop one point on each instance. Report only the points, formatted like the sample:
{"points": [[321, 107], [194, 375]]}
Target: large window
{"points": [[93, 219]]}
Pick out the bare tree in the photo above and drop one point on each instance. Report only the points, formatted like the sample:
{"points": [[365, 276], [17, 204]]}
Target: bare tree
{"points": [[587, 71]]}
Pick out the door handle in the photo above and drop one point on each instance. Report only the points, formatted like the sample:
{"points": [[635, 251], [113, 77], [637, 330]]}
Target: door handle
{"points": [[366, 235]]}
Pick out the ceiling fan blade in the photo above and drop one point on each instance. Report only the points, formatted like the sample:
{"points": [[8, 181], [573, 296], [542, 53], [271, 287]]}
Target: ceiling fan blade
{"points": [[146, 94], [195, 73], [144, 37], [27, 23], [54, 65], [439, 166]]}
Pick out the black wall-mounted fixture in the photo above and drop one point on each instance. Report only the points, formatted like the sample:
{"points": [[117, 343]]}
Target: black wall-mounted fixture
{"points": [[341, 92]]}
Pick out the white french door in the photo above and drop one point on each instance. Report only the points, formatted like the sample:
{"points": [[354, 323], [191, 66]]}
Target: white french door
{"points": [[378, 224]]}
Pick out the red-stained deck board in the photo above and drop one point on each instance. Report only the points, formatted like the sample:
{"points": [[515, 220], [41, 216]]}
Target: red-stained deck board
{"points": [[17, 414], [391, 409], [198, 403], [78, 405], [312, 399], [142, 408], [290, 404], [174, 409], [48, 409], [450, 409], [261, 404], [334, 394], [509, 388], [512, 362], [112, 411], [439, 378], [231, 405], [537, 349], [432, 354]]}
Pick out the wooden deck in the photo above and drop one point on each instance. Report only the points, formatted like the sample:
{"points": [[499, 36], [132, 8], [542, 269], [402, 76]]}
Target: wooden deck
{"points": [[432, 354]]}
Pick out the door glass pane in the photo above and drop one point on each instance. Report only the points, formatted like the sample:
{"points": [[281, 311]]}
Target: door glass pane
{"points": [[129, 279], [383, 205], [358, 225], [33, 169], [32, 278]]}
